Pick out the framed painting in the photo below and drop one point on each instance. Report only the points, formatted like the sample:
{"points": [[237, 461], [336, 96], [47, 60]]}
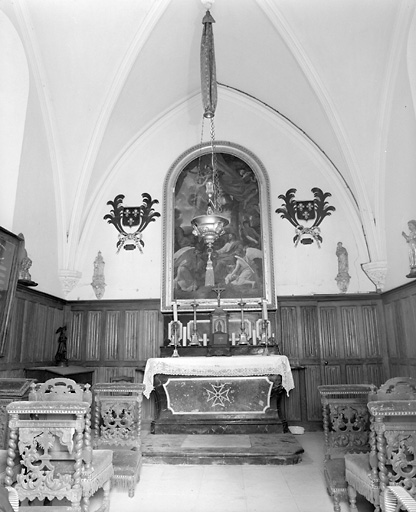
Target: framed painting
{"points": [[9, 271], [242, 258]]}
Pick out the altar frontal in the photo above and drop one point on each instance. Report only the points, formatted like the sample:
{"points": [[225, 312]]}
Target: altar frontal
{"points": [[218, 395]]}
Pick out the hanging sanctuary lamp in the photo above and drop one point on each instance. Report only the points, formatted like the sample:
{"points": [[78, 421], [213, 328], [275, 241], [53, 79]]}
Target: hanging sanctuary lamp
{"points": [[209, 226]]}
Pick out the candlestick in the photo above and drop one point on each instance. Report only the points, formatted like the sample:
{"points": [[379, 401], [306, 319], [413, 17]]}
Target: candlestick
{"points": [[184, 337], [233, 338], [175, 334], [264, 309], [254, 337], [175, 311], [204, 339]]}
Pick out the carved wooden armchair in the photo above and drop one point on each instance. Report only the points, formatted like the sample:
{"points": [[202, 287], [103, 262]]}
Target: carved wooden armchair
{"points": [[117, 425], [54, 433], [346, 423], [361, 471]]}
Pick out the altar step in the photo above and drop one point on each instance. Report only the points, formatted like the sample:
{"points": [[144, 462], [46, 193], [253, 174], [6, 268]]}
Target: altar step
{"points": [[182, 449]]}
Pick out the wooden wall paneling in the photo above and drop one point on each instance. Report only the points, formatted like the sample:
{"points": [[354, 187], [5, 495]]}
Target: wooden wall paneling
{"points": [[150, 334], [288, 336], [94, 336], [310, 333], [392, 338], [350, 322], [313, 379], [400, 313], [371, 331], [331, 346], [297, 326], [333, 374], [31, 336], [15, 334], [375, 375], [131, 335], [399, 321], [409, 313], [355, 373], [75, 337], [27, 325], [40, 337], [111, 336], [292, 404]]}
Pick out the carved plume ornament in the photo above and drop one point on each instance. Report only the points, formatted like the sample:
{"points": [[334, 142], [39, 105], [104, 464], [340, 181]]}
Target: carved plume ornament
{"points": [[306, 211], [131, 221]]}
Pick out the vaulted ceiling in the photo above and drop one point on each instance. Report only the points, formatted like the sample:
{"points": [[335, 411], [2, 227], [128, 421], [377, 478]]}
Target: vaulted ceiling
{"points": [[106, 71]]}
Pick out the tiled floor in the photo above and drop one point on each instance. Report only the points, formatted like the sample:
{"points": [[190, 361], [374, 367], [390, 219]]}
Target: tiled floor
{"points": [[296, 488]]}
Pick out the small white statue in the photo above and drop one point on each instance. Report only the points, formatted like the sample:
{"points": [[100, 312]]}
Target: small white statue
{"points": [[98, 279], [343, 278], [411, 241], [24, 262]]}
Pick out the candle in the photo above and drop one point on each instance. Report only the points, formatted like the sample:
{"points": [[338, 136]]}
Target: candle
{"points": [[264, 309], [233, 338], [184, 337], [204, 339], [175, 311], [254, 336]]}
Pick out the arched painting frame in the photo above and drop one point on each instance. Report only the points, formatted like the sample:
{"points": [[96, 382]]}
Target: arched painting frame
{"points": [[245, 200]]}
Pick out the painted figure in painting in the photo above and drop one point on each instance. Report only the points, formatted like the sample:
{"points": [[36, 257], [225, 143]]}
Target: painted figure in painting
{"points": [[238, 198], [246, 268], [411, 242]]}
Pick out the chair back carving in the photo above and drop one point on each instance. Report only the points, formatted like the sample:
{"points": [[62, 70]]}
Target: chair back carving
{"points": [[117, 419], [50, 449], [397, 388], [346, 419], [117, 425], [395, 428], [61, 390]]}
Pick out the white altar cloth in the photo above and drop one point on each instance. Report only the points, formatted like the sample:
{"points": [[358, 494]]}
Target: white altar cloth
{"points": [[234, 366]]}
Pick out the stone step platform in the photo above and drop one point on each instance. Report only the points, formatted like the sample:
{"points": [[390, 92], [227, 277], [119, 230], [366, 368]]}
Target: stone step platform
{"points": [[235, 449]]}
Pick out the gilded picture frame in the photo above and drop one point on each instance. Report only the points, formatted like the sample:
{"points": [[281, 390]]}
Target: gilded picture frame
{"points": [[242, 257], [9, 271]]}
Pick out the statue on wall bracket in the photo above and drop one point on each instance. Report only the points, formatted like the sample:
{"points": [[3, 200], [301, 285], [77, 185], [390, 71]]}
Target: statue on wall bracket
{"points": [[131, 221], [411, 247], [299, 212]]}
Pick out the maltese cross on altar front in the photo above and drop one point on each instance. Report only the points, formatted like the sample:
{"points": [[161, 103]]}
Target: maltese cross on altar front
{"points": [[218, 395]]}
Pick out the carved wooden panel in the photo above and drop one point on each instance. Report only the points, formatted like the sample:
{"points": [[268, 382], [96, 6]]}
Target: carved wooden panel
{"points": [[310, 335], [331, 347], [111, 335], [92, 341], [288, 332], [291, 404], [355, 374], [350, 325], [75, 336], [389, 313], [409, 314], [31, 337], [132, 322], [375, 374], [313, 402], [371, 331], [333, 374], [400, 322]]}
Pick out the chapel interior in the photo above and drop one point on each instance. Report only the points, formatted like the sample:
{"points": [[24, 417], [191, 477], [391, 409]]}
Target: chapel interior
{"points": [[198, 190]]}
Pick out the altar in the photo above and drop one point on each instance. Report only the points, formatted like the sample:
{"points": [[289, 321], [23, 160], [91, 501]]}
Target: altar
{"points": [[218, 395]]}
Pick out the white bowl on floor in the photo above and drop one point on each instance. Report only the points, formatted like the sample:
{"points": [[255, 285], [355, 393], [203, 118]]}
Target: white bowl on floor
{"points": [[297, 430]]}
